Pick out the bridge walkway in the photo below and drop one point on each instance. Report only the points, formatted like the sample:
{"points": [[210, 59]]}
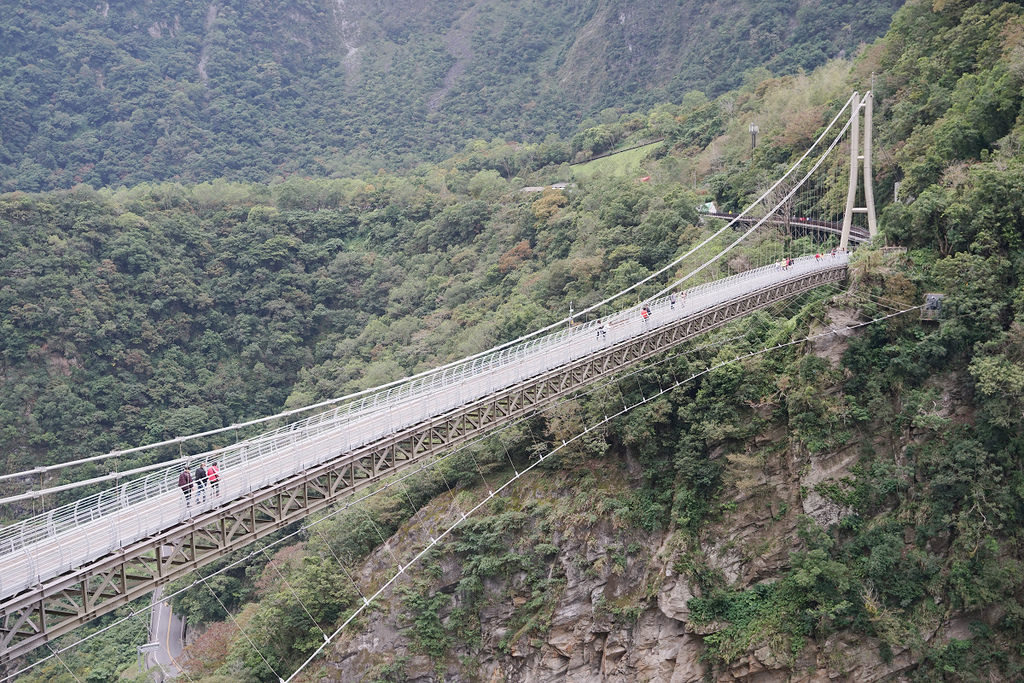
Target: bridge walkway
{"points": [[67, 567]]}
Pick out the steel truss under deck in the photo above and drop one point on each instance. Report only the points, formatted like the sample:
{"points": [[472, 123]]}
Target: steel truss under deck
{"points": [[58, 605]]}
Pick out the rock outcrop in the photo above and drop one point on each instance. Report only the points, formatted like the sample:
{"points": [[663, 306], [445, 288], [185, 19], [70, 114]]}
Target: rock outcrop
{"points": [[619, 605]]}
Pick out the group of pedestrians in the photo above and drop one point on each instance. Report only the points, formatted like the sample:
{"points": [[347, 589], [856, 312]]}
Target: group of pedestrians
{"points": [[787, 263], [205, 480], [645, 314]]}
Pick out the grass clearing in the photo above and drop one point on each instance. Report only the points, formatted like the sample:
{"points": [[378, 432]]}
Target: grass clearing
{"points": [[618, 165]]}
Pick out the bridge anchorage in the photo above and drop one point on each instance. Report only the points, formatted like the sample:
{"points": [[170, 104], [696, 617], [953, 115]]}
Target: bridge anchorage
{"points": [[73, 563]]}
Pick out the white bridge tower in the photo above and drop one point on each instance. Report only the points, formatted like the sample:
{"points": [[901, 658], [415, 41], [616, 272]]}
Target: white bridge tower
{"points": [[856, 158]]}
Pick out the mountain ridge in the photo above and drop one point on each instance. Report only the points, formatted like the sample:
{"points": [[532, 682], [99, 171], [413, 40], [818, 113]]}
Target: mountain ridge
{"points": [[259, 90]]}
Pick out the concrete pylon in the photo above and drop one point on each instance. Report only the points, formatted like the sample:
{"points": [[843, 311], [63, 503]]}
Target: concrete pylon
{"points": [[858, 105]]}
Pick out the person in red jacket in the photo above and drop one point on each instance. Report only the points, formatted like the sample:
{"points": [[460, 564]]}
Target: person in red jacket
{"points": [[213, 476], [185, 484]]}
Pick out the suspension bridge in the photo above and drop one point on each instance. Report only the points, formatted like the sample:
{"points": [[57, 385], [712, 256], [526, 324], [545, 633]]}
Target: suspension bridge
{"points": [[77, 561]]}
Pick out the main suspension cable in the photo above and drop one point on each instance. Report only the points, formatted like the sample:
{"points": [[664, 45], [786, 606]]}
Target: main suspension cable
{"points": [[425, 373]]}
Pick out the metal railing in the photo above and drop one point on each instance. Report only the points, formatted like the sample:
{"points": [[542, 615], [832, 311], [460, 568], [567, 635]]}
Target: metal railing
{"points": [[66, 537]]}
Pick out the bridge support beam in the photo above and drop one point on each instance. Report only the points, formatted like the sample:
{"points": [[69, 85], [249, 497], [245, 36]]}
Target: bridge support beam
{"points": [[858, 164]]}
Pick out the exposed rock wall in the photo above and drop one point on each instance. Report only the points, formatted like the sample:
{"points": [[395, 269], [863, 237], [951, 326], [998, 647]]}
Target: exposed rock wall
{"points": [[619, 615], [618, 601]]}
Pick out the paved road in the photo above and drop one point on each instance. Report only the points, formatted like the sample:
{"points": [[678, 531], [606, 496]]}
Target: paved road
{"points": [[165, 628]]}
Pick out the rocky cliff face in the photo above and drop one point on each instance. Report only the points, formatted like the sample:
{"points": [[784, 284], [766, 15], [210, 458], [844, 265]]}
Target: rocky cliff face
{"points": [[602, 600], [620, 618]]}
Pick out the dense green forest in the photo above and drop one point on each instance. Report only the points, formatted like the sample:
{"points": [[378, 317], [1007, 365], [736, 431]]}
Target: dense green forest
{"points": [[123, 93], [136, 313]]}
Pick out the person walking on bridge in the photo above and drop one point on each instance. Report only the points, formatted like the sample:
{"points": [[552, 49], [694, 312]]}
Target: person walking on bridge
{"points": [[185, 484], [200, 477], [213, 476]]}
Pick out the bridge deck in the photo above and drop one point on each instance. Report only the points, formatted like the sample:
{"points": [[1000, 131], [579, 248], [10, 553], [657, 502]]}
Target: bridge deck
{"points": [[47, 563]]}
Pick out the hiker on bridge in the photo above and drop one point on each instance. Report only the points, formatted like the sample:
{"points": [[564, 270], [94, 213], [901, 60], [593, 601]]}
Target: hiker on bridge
{"points": [[200, 479], [185, 484], [213, 476], [602, 331], [672, 301]]}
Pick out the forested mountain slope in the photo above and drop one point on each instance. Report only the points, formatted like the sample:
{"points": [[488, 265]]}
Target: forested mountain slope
{"points": [[110, 93]]}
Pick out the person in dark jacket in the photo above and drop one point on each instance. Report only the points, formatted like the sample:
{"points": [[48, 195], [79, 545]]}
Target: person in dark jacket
{"points": [[185, 484], [200, 477]]}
